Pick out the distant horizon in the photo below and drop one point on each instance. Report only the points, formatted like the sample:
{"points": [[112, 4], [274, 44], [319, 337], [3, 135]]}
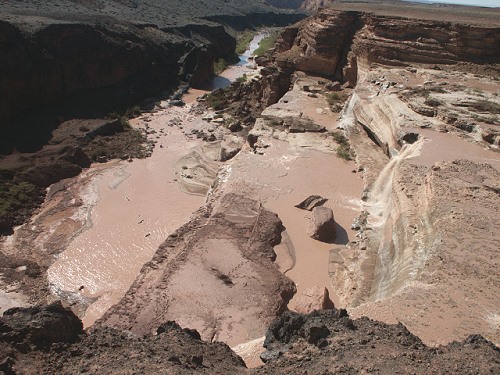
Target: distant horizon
{"points": [[478, 3]]}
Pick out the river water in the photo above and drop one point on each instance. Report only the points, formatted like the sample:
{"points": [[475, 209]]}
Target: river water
{"points": [[137, 205]]}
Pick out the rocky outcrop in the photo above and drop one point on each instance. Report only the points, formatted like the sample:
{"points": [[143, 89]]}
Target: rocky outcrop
{"points": [[314, 298], [322, 224], [331, 340], [39, 326], [310, 202], [215, 274], [49, 339], [131, 61]]}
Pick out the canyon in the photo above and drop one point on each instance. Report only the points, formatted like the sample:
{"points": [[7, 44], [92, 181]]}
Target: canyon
{"points": [[387, 119]]}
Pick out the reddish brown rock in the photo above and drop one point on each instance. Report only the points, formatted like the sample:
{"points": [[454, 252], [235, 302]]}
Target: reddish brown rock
{"points": [[314, 298]]}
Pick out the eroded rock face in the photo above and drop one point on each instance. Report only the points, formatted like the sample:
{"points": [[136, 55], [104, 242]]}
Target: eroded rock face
{"points": [[40, 326], [50, 339], [327, 339], [214, 274], [321, 44]]}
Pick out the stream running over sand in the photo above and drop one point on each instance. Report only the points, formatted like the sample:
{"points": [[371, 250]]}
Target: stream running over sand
{"points": [[137, 206]]}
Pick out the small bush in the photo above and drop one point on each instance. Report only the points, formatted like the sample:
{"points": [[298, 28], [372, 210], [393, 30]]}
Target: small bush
{"points": [[486, 106], [243, 40], [215, 101], [123, 120], [344, 149], [344, 153], [220, 65], [336, 97], [266, 43], [433, 102], [242, 79], [133, 112]]}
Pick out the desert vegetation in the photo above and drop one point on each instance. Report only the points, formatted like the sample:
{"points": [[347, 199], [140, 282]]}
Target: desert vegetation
{"points": [[267, 43]]}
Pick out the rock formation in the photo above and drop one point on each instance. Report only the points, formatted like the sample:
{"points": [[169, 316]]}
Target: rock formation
{"points": [[330, 342], [322, 224], [55, 343], [322, 44], [311, 299], [310, 202], [409, 75], [218, 269]]}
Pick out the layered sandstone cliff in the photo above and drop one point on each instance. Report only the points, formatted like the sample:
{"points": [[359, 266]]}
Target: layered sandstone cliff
{"points": [[331, 43], [416, 232]]}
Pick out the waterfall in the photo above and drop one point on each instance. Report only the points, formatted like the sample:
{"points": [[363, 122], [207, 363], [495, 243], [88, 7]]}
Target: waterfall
{"points": [[382, 220]]}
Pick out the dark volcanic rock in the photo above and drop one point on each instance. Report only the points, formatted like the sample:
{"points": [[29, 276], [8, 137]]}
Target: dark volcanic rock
{"points": [[50, 340], [330, 342], [40, 326]]}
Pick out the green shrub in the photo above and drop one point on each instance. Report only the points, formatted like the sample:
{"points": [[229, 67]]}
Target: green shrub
{"points": [[242, 79], [433, 102], [344, 153], [486, 106], [243, 40], [344, 148], [220, 65], [133, 112], [17, 200], [336, 97], [215, 101], [124, 122], [266, 43]]}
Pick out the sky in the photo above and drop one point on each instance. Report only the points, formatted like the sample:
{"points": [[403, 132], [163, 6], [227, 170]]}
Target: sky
{"points": [[484, 3]]}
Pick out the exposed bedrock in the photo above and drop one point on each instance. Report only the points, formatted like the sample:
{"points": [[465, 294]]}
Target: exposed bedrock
{"points": [[50, 340], [321, 44], [215, 274], [329, 341]]}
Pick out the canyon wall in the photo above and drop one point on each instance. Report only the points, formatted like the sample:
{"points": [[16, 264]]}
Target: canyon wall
{"points": [[102, 56], [331, 43], [45, 67], [408, 75]]}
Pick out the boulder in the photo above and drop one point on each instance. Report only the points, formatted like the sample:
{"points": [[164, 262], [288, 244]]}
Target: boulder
{"points": [[314, 298], [322, 225], [310, 202], [40, 325]]}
